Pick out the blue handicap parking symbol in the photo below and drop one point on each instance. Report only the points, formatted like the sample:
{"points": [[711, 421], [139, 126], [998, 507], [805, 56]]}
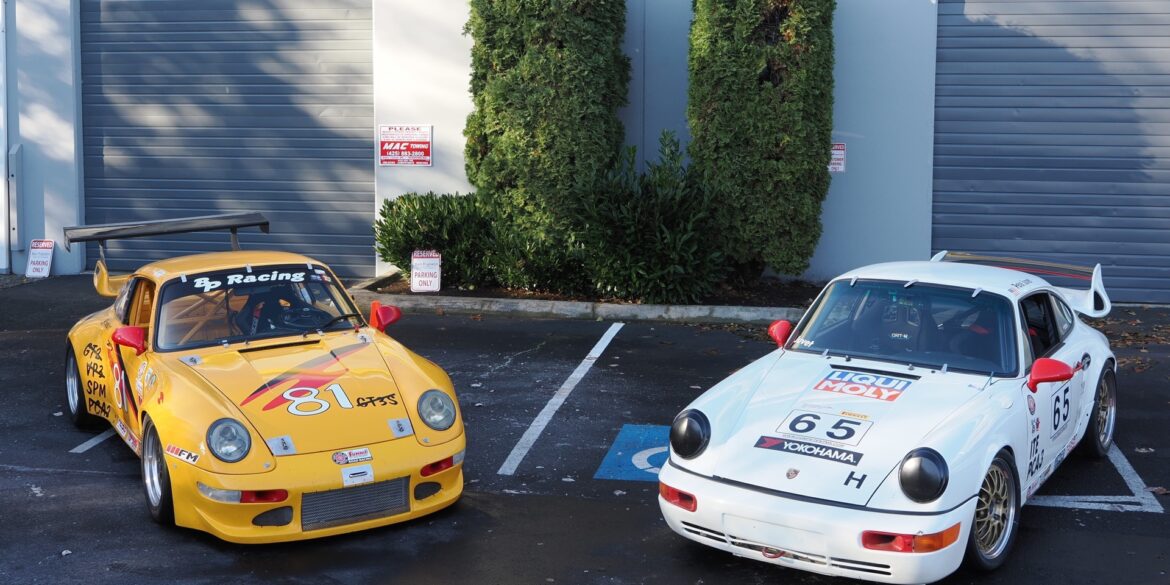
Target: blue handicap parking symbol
{"points": [[637, 453]]}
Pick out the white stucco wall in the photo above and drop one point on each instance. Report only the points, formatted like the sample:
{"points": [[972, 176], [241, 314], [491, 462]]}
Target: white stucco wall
{"points": [[879, 209], [42, 90], [422, 72]]}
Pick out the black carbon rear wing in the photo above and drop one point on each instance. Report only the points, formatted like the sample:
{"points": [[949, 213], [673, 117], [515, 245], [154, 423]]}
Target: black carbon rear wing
{"points": [[1093, 302], [138, 229]]}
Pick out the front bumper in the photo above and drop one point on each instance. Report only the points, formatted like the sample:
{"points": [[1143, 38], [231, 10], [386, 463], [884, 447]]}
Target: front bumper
{"points": [[332, 507], [811, 537]]}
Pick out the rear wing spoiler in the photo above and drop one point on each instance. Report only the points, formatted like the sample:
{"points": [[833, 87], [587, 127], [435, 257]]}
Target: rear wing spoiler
{"points": [[107, 284], [1092, 302]]}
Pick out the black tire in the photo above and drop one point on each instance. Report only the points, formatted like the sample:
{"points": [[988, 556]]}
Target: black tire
{"points": [[75, 395], [995, 524], [1098, 437], [156, 479]]}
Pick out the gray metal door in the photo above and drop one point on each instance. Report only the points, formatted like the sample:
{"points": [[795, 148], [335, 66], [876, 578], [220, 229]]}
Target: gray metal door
{"points": [[193, 108], [1052, 136]]}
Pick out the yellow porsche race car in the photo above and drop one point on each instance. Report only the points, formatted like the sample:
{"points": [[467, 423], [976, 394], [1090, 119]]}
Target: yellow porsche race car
{"points": [[263, 406]]}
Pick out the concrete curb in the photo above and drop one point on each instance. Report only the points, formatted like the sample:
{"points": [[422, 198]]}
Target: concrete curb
{"points": [[582, 310]]}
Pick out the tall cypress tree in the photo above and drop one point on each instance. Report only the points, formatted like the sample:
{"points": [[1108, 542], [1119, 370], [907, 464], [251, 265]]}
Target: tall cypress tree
{"points": [[760, 109], [548, 77]]}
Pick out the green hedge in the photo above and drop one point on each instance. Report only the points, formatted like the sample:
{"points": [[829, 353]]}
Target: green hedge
{"points": [[646, 237], [458, 226], [548, 77], [760, 112]]}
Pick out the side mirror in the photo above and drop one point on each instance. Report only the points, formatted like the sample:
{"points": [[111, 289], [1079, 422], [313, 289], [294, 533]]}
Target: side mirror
{"points": [[1046, 370], [779, 331], [382, 317], [132, 337]]}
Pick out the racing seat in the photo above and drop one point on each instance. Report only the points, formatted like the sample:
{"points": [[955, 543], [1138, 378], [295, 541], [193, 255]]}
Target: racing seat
{"points": [[261, 312], [980, 339]]}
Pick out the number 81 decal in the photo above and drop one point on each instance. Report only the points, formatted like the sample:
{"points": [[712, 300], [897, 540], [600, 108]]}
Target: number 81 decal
{"points": [[304, 401], [827, 427]]}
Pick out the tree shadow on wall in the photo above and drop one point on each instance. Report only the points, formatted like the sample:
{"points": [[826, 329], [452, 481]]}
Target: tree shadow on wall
{"points": [[194, 108], [1055, 148]]}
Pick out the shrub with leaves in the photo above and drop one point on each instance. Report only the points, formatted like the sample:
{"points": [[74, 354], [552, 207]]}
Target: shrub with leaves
{"points": [[548, 77], [760, 110], [458, 226], [645, 237]]}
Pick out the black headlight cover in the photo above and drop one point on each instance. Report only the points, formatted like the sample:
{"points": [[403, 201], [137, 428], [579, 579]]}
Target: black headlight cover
{"points": [[689, 433], [923, 475]]}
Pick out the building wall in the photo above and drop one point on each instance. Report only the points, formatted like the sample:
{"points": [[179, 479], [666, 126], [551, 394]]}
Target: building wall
{"points": [[422, 75], [879, 209], [42, 92]]}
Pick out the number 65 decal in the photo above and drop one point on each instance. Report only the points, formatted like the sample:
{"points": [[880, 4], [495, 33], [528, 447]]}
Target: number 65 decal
{"points": [[829, 427]]}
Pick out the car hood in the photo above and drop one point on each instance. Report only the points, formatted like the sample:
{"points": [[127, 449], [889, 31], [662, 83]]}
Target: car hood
{"points": [[309, 396], [832, 429]]}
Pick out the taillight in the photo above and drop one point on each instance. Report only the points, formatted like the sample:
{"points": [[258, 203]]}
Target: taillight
{"points": [[910, 543], [433, 468], [678, 497], [263, 496]]}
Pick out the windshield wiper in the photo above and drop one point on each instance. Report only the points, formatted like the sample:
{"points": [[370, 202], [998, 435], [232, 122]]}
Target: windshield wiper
{"points": [[338, 318]]}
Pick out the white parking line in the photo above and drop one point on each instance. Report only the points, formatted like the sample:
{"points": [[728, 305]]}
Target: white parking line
{"points": [[541, 421], [1141, 500], [86, 446]]}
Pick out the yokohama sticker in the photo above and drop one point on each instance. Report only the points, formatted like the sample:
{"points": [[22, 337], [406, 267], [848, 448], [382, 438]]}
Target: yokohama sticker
{"points": [[809, 449], [867, 385], [182, 454]]}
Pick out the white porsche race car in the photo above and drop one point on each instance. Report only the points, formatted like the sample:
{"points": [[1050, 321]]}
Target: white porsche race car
{"points": [[900, 427]]}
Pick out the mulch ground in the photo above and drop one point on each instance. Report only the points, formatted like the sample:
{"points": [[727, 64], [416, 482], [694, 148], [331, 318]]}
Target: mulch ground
{"points": [[766, 292]]}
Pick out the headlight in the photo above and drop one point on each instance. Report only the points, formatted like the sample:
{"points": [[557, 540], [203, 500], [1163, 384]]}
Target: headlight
{"points": [[228, 440], [436, 410], [923, 475], [689, 433]]}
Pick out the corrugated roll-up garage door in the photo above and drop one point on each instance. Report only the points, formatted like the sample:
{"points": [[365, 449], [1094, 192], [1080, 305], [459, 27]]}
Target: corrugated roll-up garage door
{"points": [[193, 108], [1052, 136]]}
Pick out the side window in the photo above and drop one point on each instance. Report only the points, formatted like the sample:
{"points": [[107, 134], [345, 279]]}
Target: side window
{"points": [[122, 303], [142, 304], [1064, 318], [1039, 324]]}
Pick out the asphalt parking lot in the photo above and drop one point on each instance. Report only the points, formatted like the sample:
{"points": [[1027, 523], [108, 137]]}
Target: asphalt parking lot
{"points": [[574, 508]]}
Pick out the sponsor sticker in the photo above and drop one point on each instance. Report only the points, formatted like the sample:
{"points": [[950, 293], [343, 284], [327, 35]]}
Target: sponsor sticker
{"points": [[357, 475], [182, 454], [207, 284], [809, 449], [1031, 405], [127, 435], [401, 427], [352, 456], [883, 388], [282, 445]]}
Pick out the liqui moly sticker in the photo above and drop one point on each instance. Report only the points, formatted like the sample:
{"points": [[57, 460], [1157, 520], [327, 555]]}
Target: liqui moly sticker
{"points": [[868, 385]]}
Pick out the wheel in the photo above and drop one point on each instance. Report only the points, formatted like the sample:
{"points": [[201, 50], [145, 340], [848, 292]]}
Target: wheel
{"points": [[996, 520], [81, 417], [156, 480], [1099, 434]]}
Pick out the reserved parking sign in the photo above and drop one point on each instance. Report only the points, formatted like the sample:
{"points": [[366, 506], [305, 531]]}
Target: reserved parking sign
{"points": [[425, 270]]}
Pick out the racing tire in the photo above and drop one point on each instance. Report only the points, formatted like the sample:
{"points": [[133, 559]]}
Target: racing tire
{"points": [[995, 524], [75, 395], [156, 480], [1098, 438]]}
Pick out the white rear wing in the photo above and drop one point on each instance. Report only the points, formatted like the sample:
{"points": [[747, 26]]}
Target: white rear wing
{"points": [[1091, 302]]}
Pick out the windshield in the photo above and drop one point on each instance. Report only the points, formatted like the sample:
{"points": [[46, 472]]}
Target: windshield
{"points": [[926, 325], [245, 304]]}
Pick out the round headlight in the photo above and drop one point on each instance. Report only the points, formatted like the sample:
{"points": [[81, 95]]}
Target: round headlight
{"points": [[923, 475], [689, 433], [436, 410], [228, 440]]}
